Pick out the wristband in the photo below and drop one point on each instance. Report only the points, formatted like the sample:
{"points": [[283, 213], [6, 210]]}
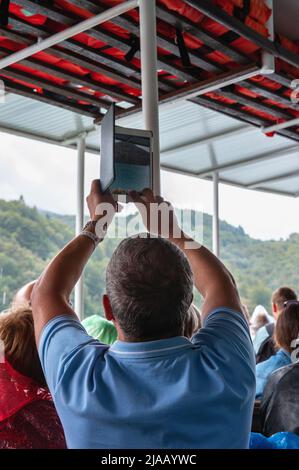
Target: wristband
{"points": [[90, 223], [96, 240]]}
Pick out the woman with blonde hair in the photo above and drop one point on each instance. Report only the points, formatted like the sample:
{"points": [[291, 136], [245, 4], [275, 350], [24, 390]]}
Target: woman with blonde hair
{"points": [[28, 419]]}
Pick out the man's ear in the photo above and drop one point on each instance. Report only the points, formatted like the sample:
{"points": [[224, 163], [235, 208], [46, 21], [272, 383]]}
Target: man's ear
{"points": [[107, 308]]}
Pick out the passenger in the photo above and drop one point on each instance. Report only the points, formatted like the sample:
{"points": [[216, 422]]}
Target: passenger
{"points": [[263, 342], [28, 419], [259, 319], [153, 388], [279, 410], [100, 328], [192, 322], [286, 331]]}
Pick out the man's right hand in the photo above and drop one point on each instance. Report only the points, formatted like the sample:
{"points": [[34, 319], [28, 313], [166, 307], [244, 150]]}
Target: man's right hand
{"points": [[158, 215], [98, 202], [211, 278]]}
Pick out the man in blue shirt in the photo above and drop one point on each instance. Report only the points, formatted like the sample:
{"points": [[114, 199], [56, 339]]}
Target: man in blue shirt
{"points": [[153, 388]]}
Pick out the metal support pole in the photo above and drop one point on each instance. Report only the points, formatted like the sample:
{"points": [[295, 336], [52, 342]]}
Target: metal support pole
{"points": [[212, 84], [268, 59], [79, 298], [149, 76], [216, 235], [282, 125]]}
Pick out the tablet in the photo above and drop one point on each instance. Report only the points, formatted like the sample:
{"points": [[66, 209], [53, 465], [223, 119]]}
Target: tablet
{"points": [[107, 170], [126, 157]]}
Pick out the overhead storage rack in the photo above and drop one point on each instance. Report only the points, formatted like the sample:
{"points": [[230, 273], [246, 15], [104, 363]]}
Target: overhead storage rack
{"points": [[221, 54]]}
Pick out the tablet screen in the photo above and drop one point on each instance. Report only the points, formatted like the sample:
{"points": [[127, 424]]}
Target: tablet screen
{"points": [[132, 163]]}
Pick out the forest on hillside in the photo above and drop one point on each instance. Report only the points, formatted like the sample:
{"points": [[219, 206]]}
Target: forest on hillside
{"points": [[30, 237]]}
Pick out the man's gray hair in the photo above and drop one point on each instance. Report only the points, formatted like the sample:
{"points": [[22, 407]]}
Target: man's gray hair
{"points": [[150, 288]]}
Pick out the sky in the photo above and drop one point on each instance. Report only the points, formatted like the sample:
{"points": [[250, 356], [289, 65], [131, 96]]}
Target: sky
{"points": [[45, 175]]}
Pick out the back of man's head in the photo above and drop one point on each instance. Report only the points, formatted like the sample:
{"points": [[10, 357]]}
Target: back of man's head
{"points": [[282, 295], [149, 285]]}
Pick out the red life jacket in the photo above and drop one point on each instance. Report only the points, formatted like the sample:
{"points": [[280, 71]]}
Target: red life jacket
{"points": [[28, 419]]}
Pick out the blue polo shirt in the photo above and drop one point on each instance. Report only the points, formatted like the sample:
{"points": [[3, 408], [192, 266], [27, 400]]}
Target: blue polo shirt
{"points": [[171, 393]]}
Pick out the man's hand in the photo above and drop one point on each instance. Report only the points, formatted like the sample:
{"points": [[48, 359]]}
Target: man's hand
{"points": [[102, 208], [158, 215], [98, 202], [211, 277]]}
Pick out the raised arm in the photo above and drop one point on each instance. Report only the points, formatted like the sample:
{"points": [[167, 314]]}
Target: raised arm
{"points": [[23, 295], [211, 277], [51, 293]]}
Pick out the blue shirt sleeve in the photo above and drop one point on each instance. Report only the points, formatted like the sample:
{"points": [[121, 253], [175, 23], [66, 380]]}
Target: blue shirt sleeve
{"points": [[226, 346], [63, 348]]}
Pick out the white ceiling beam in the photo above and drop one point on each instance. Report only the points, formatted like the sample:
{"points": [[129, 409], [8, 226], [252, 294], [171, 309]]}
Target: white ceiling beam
{"points": [[274, 179], [222, 80], [282, 125], [290, 150], [84, 133], [225, 181], [209, 139], [44, 140]]}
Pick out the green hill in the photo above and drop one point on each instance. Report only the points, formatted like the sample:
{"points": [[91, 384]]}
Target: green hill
{"points": [[29, 238]]}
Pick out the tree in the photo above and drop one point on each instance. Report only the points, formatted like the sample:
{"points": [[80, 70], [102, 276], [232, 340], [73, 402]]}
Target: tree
{"points": [[260, 294], [29, 238]]}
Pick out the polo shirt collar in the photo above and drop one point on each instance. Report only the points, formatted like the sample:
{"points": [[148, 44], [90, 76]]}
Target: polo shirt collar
{"points": [[162, 347]]}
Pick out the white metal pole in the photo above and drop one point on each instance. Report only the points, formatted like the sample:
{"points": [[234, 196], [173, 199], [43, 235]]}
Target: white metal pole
{"points": [[149, 75], [69, 32], [213, 84], [79, 298], [282, 125], [216, 234], [268, 59]]}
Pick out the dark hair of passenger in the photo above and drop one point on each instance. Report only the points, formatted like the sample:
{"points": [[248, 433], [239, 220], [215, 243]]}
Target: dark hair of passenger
{"points": [[150, 288], [282, 295], [287, 326]]}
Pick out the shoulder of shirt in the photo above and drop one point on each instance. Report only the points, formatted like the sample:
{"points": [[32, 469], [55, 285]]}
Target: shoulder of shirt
{"points": [[228, 314], [61, 318]]}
